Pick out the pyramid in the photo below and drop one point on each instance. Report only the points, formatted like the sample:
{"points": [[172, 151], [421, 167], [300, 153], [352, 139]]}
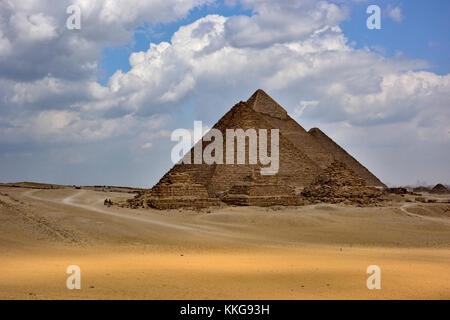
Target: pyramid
{"points": [[439, 189], [302, 157], [342, 155], [261, 102], [296, 169], [276, 116], [176, 190], [338, 183], [261, 191]]}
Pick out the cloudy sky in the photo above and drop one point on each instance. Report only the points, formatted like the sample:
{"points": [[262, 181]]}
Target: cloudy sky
{"points": [[97, 105]]}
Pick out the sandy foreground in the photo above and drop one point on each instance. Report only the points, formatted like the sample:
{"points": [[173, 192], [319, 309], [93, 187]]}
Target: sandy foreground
{"points": [[310, 252]]}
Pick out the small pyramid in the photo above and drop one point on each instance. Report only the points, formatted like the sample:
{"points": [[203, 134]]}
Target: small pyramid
{"points": [[175, 190], [342, 155], [439, 189], [338, 183]]}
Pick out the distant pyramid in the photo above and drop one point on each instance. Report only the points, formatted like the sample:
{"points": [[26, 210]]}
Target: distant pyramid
{"points": [[302, 157], [342, 155], [439, 189]]}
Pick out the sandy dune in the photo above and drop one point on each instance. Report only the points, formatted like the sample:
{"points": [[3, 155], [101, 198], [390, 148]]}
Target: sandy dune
{"points": [[319, 251]]}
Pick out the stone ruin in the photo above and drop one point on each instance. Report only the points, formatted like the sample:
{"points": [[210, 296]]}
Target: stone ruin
{"points": [[261, 191], [340, 154], [174, 191], [312, 168], [338, 183]]}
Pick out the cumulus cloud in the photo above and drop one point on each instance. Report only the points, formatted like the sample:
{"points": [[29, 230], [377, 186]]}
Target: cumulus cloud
{"points": [[359, 86], [37, 43], [295, 50], [48, 73], [281, 21], [395, 13]]}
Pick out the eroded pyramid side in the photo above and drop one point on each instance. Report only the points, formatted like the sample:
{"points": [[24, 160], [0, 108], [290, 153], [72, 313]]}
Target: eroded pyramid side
{"points": [[340, 154], [338, 183]]}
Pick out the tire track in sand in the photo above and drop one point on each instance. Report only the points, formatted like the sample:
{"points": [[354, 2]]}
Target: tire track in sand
{"points": [[70, 201]]}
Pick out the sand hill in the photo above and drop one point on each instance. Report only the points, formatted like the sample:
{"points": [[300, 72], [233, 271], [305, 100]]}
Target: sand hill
{"points": [[303, 157]]}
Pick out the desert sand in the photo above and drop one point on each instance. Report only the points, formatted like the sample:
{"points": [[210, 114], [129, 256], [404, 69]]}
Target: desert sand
{"points": [[308, 252]]}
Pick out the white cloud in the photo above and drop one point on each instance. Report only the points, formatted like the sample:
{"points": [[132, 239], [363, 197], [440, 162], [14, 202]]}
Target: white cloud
{"points": [[34, 27], [36, 32], [294, 50], [298, 111], [147, 145], [282, 21], [336, 81], [5, 45], [357, 85], [395, 13]]}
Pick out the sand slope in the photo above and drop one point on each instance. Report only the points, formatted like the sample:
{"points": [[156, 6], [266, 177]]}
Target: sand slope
{"points": [[309, 252]]}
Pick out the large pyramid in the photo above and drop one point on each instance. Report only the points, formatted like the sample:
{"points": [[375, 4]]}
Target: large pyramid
{"points": [[274, 114], [302, 157], [342, 155]]}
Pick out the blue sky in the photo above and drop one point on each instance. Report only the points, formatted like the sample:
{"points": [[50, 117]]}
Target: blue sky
{"points": [[422, 34], [73, 110], [116, 58]]}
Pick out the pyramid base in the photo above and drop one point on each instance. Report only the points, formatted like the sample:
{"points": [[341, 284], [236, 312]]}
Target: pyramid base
{"points": [[178, 203], [261, 201]]}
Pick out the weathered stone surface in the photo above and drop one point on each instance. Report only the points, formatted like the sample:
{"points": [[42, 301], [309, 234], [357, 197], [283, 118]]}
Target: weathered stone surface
{"points": [[174, 191], [345, 157], [289, 128], [338, 183], [262, 191], [261, 102], [295, 168]]}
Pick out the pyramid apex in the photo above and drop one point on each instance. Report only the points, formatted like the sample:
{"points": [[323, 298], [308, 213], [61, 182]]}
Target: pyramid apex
{"points": [[315, 130], [261, 102]]}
